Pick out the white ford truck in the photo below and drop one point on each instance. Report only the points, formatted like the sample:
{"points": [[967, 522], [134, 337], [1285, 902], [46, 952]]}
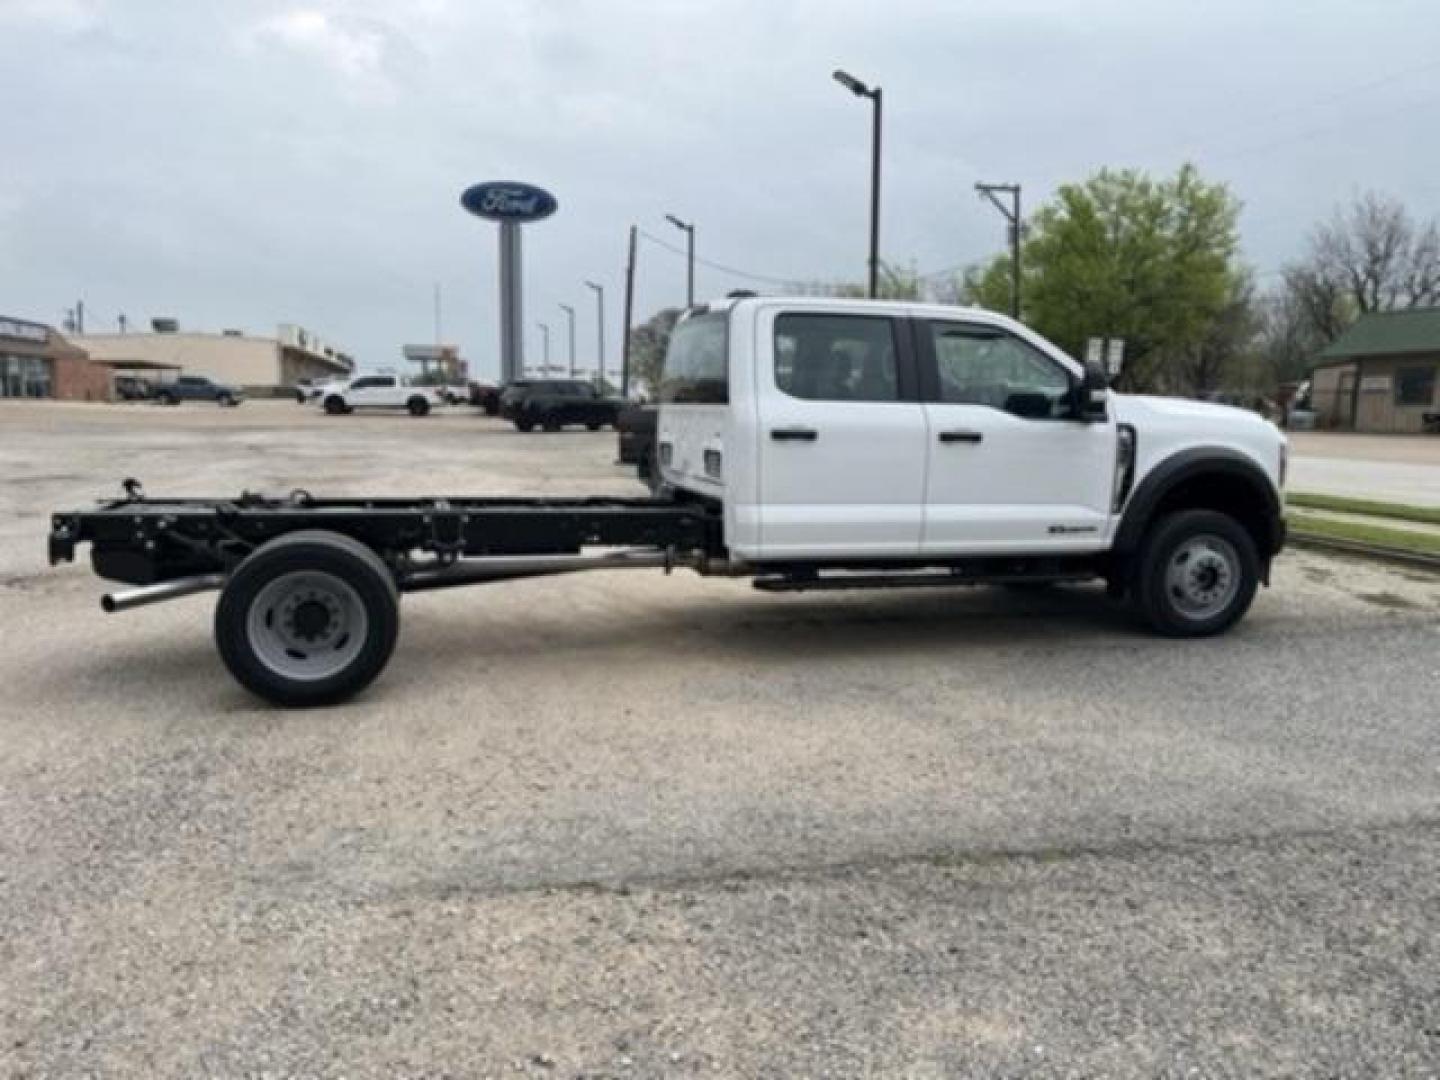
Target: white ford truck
{"points": [[803, 443], [379, 392]]}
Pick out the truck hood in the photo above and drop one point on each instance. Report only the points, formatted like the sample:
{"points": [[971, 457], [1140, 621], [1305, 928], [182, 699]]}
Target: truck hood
{"points": [[1167, 426], [1141, 409]]}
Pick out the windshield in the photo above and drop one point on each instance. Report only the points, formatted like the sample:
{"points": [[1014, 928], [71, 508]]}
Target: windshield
{"points": [[696, 363]]}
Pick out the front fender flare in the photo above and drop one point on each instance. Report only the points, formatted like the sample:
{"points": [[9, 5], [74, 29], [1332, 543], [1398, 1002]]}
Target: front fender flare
{"points": [[1187, 465]]}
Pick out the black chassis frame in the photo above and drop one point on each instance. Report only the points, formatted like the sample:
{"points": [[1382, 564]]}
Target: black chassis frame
{"points": [[142, 541]]}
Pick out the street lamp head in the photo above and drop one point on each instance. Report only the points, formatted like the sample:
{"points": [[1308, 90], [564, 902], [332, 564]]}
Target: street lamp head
{"points": [[567, 309], [673, 220], [854, 85], [594, 285]]}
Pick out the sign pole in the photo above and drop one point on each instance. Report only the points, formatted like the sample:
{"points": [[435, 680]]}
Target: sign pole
{"points": [[510, 204], [625, 326]]}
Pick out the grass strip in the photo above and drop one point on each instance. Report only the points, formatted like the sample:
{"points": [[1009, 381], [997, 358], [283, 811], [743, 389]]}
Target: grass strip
{"points": [[1302, 525], [1426, 515]]}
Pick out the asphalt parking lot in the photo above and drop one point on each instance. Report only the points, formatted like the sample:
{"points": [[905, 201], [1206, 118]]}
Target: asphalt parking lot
{"points": [[624, 825]]}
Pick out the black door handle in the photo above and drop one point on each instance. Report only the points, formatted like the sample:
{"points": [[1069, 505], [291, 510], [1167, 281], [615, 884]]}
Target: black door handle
{"points": [[797, 434], [961, 436]]}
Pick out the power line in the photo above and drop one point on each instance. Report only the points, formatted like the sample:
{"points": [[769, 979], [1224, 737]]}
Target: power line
{"points": [[747, 275]]}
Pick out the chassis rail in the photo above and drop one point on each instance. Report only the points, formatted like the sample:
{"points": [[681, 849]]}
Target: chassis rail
{"points": [[143, 541]]}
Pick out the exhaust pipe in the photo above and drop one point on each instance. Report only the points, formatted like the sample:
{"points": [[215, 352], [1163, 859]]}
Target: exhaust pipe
{"points": [[165, 590], [511, 567]]}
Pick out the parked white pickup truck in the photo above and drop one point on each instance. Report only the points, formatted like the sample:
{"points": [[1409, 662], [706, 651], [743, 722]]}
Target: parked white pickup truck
{"points": [[379, 392], [803, 443]]}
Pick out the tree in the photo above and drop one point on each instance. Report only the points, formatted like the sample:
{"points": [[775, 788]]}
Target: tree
{"points": [[648, 343], [1288, 339], [1370, 256], [1218, 360], [989, 286], [1123, 255], [895, 283]]}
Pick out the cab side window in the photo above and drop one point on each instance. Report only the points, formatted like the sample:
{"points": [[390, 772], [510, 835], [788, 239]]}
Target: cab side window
{"points": [[979, 365], [836, 357]]}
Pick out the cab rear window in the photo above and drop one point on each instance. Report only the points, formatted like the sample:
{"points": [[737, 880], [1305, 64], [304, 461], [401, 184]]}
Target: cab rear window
{"points": [[697, 361]]}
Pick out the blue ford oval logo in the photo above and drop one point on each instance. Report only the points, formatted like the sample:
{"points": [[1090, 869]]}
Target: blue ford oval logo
{"points": [[509, 201]]}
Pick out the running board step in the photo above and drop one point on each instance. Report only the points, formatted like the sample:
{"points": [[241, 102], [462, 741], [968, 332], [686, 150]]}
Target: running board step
{"points": [[901, 580]]}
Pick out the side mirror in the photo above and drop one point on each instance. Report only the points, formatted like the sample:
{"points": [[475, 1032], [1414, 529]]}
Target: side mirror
{"points": [[1092, 394]]}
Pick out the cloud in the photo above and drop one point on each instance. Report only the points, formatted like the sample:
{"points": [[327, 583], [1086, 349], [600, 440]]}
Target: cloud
{"points": [[66, 16], [357, 50]]}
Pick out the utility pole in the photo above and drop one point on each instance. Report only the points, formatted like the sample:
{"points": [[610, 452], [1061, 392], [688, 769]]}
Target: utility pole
{"points": [[876, 96], [79, 316], [1012, 215], [688, 228], [570, 315], [629, 311], [600, 327], [438, 337], [123, 322]]}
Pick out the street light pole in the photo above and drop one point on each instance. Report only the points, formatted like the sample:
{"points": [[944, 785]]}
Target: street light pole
{"points": [[876, 96], [688, 228], [599, 325], [570, 315], [545, 334], [1012, 215]]}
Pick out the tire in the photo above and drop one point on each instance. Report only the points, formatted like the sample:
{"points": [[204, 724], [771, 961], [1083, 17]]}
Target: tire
{"points": [[525, 424], [225, 401], [550, 423], [345, 603], [335, 405], [1196, 574], [418, 406], [594, 425], [167, 399]]}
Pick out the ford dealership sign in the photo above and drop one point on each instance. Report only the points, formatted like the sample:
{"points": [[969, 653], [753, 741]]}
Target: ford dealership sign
{"points": [[507, 201]]}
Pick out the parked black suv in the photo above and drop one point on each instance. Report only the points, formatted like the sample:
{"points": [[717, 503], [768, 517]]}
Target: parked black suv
{"points": [[555, 403]]}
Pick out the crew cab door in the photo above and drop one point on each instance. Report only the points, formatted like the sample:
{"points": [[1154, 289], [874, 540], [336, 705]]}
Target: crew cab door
{"points": [[1010, 470], [841, 435], [373, 391]]}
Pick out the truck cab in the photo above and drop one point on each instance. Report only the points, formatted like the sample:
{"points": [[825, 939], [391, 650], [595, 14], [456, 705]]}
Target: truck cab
{"points": [[852, 431]]}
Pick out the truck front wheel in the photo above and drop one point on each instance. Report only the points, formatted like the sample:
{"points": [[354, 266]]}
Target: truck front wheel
{"points": [[1196, 573], [418, 406], [334, 405], [310, 618]]}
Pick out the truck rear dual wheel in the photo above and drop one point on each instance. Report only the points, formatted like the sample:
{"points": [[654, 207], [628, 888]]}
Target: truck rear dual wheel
{"points": [[1196, 574], [310, 618]]}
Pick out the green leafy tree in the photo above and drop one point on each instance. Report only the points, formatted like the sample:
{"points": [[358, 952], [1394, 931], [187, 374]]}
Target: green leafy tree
{"points": [[1123, 255]]}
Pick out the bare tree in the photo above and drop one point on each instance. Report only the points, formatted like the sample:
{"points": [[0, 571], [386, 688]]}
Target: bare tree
{"points": [[1371, 256]]}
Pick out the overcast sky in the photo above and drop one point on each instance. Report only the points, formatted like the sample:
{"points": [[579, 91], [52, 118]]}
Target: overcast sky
{"points": [[245, 163]]}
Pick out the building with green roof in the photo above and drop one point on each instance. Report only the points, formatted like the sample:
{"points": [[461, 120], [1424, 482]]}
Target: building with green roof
{"points": [[1382, 375]]}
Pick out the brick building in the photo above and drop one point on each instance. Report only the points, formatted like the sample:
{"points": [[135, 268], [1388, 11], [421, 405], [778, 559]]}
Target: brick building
{"points": [[38, 362]]}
